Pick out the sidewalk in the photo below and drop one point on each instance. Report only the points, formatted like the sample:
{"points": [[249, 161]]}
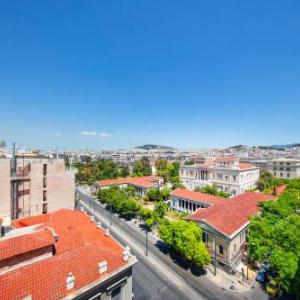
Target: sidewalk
{"points": [[226, 281]]}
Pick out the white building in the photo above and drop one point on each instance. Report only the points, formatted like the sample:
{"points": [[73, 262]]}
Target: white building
{"points": [[226, 172], [284, 167]]}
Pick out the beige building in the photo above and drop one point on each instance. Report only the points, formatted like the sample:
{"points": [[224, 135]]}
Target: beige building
{"points": [[284, 167], [33, 186], [224, 222], [228, 173]]}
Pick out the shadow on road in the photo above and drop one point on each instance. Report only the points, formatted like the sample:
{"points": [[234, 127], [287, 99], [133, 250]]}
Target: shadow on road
{"points": [[179, 260]]}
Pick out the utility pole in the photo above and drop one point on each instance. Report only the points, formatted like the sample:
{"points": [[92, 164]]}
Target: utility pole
{"points": [[215, 256]]}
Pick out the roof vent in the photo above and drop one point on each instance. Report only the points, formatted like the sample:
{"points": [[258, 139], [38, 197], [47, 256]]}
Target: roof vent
{"points": [[126, 254], [106, 232], [102, 266], [70, 281], [28, 297], [99, 225]]}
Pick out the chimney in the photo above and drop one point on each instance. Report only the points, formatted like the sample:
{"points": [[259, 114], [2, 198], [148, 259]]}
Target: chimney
{"points": [[99, 225], [102, 266], [106, 232], [70, 282], [126, 254], [82, 209], [92, 218]]}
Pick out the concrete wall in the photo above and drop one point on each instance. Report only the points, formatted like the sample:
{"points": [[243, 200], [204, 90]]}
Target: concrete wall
{"points": [[4, 187]]}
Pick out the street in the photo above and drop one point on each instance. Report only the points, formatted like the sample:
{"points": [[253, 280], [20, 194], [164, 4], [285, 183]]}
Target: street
{"points": [[157, 276]]}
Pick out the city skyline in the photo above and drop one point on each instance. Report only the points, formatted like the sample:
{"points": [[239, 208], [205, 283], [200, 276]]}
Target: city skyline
{"points": [[118, 75]]}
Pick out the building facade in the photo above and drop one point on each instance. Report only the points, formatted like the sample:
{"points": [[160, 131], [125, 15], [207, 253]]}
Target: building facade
{"points": [[224, 222], [284, 168], [63, 255], [227, 173], [32, 186]]}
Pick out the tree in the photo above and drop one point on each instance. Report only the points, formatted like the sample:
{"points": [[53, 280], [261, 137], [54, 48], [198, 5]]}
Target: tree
{"points": [[212, 190], [153, 194], [160, 209], [185, 238], [275, 234], [124, 171], [165, 193], [142, 167], [188, 162]]}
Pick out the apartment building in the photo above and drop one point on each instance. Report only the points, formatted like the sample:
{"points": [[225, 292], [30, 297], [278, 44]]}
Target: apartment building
{"points": [[226, 172], [224, 222], [63, 255], [33, 186], [141, 184], [284, 167]]}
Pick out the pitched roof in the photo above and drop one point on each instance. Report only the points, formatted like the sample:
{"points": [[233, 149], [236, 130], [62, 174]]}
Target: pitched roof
{"points": [[10, 247], [233, 214], [79, 249], [143, 181], [198, 196]]}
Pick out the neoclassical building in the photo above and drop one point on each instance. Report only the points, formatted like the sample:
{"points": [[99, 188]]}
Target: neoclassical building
{"points": [[226, 172]]}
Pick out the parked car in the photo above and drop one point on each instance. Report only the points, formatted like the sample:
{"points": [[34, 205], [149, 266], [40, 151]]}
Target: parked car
{"points": [[273, 287], [261, 276]]}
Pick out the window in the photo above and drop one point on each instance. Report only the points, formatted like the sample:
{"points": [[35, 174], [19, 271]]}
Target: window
{"points": [[45, 208], [44, 196], [234, 248], [275, 168], [288, 169], [44, 169], [287, 175], [288, 164], [205, 237], [221, 250], [116, 294], [281, 174], [274, 173], [234, 177], [44, 182], [281, 169]]}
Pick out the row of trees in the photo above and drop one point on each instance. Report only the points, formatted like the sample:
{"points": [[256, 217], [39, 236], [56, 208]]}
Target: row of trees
{"points": [[98, 170], [123, 202], [212, 190], [275, 235], [185, 238]]}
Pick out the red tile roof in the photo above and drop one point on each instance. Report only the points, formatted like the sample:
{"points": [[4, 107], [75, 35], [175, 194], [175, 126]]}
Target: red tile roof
{"points": [[143, 181], [79, 249], [10, 247], [198, 196], [233, 214], [280, 189]]}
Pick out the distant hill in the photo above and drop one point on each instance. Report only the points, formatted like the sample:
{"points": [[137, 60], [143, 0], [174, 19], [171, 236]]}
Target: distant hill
{"points": [[280, 147], [154, 147]]}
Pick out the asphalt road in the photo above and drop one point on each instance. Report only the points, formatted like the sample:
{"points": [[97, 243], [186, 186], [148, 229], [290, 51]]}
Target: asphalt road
{"points": [[148, 280]]}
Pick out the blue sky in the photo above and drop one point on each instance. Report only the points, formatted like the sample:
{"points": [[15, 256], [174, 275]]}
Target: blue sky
{"points": [[116, 74]]}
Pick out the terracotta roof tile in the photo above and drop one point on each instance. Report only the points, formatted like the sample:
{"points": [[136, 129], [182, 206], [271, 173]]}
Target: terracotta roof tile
{"points": [[25, 243], [143, 181], [198, 196], [232, 214], [79, 249]]}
